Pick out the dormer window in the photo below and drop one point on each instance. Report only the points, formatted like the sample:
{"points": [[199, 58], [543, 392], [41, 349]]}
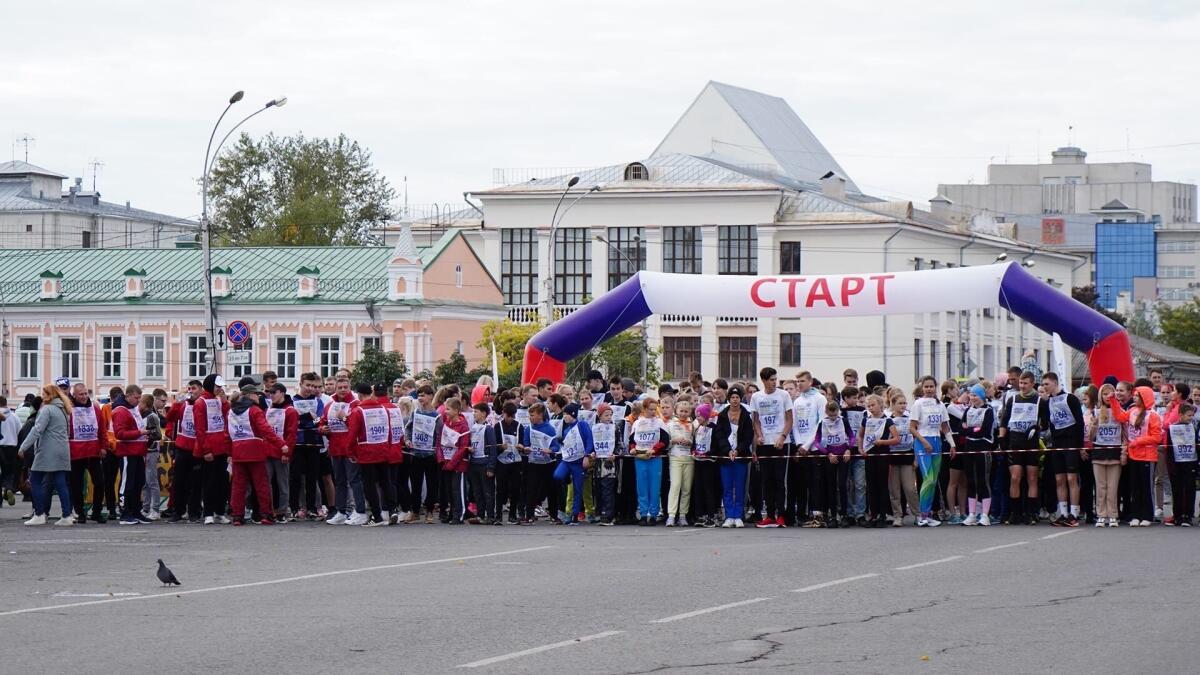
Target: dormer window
{"points": [[637, 171]]}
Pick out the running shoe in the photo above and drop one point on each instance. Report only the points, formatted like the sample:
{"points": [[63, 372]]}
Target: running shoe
{"points": [[932, 522], [921, 522], [357, 519], [984, 520], [737, 522], [766, 522], [338, 519], [1101, 523], [223, 520], [728, 522], [1135, 523], [969, 520]]}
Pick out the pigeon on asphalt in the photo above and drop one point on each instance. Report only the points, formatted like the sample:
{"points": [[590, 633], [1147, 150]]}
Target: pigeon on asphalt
{"points": [[165, 575]]}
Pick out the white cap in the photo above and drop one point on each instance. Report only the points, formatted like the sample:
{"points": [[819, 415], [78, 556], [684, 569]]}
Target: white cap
{"points": [[219, 382]]}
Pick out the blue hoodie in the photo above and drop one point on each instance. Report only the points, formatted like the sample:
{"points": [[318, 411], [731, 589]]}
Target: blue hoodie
{"points": [[585, 435], [555, 446]]}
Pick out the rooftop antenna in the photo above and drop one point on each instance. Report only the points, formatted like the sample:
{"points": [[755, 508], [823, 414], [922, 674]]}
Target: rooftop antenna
{"points": [[95, 163], [1071, 135], [26, 140]]}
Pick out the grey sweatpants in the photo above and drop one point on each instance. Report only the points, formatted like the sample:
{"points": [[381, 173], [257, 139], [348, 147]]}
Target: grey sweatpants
{"points": [[150, 492], [278, 477]]}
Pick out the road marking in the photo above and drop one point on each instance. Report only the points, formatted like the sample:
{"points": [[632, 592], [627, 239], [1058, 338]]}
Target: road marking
{"points": [[509, 562], [693, 531], [708, 610], [928, 562], [539, 650], [67, 594], [271, 582], [997, 548], [835, 582], [1060, 534]]}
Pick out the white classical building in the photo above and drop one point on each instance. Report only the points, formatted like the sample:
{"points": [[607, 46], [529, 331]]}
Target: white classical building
{"points": [[741, 186]]}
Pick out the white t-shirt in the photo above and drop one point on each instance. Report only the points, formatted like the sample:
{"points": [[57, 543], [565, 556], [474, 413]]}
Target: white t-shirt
{"points": [[807, 411], [929, 414], [771, 410]]}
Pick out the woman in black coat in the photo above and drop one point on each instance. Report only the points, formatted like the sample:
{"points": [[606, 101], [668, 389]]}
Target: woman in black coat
{"points": [[733, 438]]}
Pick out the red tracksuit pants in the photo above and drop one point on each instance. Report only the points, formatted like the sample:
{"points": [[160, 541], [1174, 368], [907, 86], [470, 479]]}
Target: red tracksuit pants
{"points": [[244, 473]]}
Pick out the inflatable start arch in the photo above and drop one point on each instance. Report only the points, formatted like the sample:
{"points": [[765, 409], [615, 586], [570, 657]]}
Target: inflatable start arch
{"points": [[1103, 340]]}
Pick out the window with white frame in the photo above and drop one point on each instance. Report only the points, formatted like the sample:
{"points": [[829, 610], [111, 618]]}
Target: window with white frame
{"points": [[681, 250], [518, 265], [572, 266], [110, 356], [737, 249], [70, 351], [458, 276], [197, 356], [374, 342], [29, 351], [154, 357], [329, 354], [1176, 272], [626, 254], [242, 370], [285, 357]]}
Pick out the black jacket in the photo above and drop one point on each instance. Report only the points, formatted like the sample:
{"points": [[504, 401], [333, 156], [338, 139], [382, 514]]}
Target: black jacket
{"points": [[745, 435]]}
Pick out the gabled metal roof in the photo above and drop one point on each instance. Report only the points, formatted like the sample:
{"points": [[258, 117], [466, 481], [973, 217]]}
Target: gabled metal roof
{"points": [[18, 168]]}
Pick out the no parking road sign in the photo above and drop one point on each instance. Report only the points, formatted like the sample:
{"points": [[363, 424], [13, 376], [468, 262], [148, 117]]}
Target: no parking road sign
{"points": [[237, 332]]}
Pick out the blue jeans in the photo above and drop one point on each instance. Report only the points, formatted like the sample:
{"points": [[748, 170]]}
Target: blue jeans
{"points": [[856, 500], [733, 488], [43, 483], [649, 486], [575, 471]]}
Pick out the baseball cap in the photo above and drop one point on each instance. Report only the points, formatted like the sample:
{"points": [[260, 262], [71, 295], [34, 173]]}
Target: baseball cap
{"points": [[219, 381], [62, 382]]}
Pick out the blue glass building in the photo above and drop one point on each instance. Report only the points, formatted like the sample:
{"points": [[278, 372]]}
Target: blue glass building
{"points": [[1123, 251]]}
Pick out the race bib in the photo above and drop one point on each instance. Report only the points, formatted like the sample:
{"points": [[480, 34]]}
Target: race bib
{"points": [[770, 416], [906, 439], [588, 416], [619, 412], [597, 399], [1108, 434], [305, 406], [1183, 442], [423, 428], [478, 441], [855, 417], [603, 436], [276, 417], [523, 416], [509, 455], [833, 432], [572, 446], [703, 442], [539, 446], [733, 429], [376, 428], [645, 437], [187, 423], [1023, 417], [1060, 413], [975, 416], [449, 442], [239, 427], [137, 417], [872, 430], [396, 423], [933, 413], [337, 417], [83, 424], [214, 415]]}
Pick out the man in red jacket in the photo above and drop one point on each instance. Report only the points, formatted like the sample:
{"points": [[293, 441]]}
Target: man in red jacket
{"points": [[129, 428], [212, 445], [252, 440], [88, 446], [284, 422], [346, 477], [371, 436], [185, 483]]}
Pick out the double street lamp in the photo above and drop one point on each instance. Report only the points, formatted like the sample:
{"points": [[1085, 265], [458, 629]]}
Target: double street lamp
{"points": [[210, 158], [555, 220]]}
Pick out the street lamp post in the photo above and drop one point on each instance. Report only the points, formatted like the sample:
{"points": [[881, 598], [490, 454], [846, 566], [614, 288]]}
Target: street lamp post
{"points": [[549, 284], [645, 323], [210, 158]]}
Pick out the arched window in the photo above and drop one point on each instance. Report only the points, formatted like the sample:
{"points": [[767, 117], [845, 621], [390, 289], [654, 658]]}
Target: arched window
{"points": [[458, 276], [637, 171]]}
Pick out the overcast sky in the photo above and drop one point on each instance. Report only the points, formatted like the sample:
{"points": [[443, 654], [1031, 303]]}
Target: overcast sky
{"points": [[905, 95]]}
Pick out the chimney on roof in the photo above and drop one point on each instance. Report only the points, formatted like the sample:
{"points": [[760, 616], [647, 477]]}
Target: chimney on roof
{"points": [[306, 282], [942, 208], [74, 189], [833, 185], [126, 203]]}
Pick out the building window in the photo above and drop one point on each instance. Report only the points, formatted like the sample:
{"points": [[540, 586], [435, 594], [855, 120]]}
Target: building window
{"points": [[458, 276], [1008, 362], [949, 359], [737, 357], [681, 355], [28, 227], [681, 250], [637, 171], [242, 370], [374, 342], [1176, 246], [69, 350], [933, 359], [916, 357], [29, 350], [1176, 272], [330, 355], [86, 239], [737, 249], [154, 357], [518, 266], [629, 256], [197, 356], [572, 266], [789, 349], [458, 346], [789, 257], [110, 356], [285, 357]]}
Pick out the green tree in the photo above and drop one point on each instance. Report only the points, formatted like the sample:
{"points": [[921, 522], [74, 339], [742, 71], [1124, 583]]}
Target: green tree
{"points": [[297, 191], [619, 355], [510, 339], [375, 366], [1143, 320], [1088, 296], [1180, 326], [454, 371]]}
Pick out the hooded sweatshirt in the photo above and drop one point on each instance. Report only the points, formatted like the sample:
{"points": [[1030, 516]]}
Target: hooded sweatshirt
{"points": [[208, 417], [370, 432], [336, 425], [250, 434], [285, 423], [130, 429], [1143, 428], [181, 425]]}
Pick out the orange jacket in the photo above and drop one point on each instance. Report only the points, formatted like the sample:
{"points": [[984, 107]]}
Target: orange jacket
{"points": [[1144, 438]]}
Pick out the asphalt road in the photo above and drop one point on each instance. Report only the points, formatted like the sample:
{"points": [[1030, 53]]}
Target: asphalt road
{"points": [[436, 598]]}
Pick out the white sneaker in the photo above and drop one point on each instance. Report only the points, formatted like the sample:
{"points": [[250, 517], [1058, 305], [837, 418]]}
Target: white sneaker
{"points": [[737, 522], [921, 522], [970, 520], [984, 519], [338, 519], [224, 520], [402, 517], [375, 523], [358, 519], [1158, 514], [1135, 523], [1113, 522], [932, 522], [65, 521], [1147, 523], [209, 520], [670, 521], [728, 522], [36, 520], [683, 521], [153, 515]]}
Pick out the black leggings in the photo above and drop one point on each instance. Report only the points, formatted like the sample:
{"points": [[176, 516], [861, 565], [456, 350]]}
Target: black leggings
{"points": [[424, 471], [398, 477], [1183, 490], [306, 467], [878, 496], [376, 485], [214, 476], [706, 489], [185, 484], [112, 467], [1141, 490], [483, 490], [508, 489], [823, 485], [10, 467], [975, 467], [774, 477], [94, 467], [538, 477]]}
